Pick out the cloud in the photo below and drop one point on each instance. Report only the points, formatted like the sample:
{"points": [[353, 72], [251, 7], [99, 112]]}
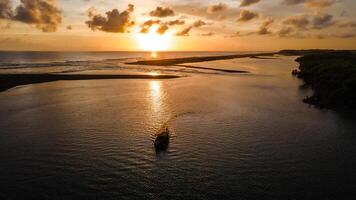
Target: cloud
{"points": [[198, 10], [216, 8], [317, 4], [236, 34], [264, 28], [246, 15], [45, 14], [207, 34], [114, 21], [176, 22], [322, 20], [184, 32], [307, 21], [300, 21], [5, 9], [199, 23], [346, 35], [298, 25], [162, 12], [286, 32], [145, 27], [245, 3], [91, 12], [347, 24], [162, 29], [164, 26], [196, 24]]}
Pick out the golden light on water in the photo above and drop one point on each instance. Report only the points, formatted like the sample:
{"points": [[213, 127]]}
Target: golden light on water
{"points": [[156, 95], [153, 73], [154, 54], [153, 41]]}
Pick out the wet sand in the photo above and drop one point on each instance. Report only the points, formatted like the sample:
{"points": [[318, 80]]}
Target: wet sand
{"points": [[8, 81], [213, 69], [177, 61]]}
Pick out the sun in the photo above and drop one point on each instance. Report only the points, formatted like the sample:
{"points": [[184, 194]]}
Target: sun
{"points": [[152, 41]]}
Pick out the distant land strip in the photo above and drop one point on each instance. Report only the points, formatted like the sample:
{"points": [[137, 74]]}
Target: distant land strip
{"points": [[8, 81], [177, 61], [213, 69]]}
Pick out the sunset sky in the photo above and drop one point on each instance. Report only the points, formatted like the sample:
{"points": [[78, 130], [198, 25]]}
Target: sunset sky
{"points": [[199, 25]]}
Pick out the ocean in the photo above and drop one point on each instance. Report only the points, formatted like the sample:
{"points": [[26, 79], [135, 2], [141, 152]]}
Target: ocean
{"points": [[233, 136]]}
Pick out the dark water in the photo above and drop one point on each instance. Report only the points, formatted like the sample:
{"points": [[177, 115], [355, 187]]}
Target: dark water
{"points": [[233, 137]]}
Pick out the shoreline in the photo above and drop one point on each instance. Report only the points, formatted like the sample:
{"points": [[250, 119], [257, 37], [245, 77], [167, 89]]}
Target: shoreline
{"points": [[177, 61], [214, 69], [332, 77], [8, 81]]}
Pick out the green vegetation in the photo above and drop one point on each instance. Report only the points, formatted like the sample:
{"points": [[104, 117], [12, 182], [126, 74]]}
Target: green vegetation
{"points": [[332, 76]]}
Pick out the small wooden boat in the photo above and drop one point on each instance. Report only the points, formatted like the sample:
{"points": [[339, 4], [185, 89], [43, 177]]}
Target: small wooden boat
{"points": [[162, 140]]}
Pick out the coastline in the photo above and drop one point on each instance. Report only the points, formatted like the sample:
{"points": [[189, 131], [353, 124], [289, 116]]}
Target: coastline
{"points": [[8, 81], [332, 77], [178, 61]]}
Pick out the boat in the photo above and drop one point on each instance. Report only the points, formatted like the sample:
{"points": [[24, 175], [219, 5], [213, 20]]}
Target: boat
{"points": [[162, 140]]}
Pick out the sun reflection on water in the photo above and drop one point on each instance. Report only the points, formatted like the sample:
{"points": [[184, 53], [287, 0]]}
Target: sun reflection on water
{"points": [[156, 95], [154, 54]]}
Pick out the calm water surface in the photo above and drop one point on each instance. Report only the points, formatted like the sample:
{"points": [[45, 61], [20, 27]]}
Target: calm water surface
{"points": [[241, 136]]}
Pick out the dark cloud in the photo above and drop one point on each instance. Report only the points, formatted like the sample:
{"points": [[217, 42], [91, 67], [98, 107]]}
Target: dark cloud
{"points": [[264, 28], [286, 31], [199, 23], [318, 4], [145, 27], [151, 22], [248, 2], [346, 35], [325, 36], [199, 10], [162, 29], [216, 8], [298, 25], [294, 2], [307, 21], [184, 32], [196, 24], [176, 22], [207, 34], [162, 12], [45, 14], [237, 34], [164, 26], [347, 25], [322, 20], [246, 15], [300, 21], [5, 9], [114, 21]]}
